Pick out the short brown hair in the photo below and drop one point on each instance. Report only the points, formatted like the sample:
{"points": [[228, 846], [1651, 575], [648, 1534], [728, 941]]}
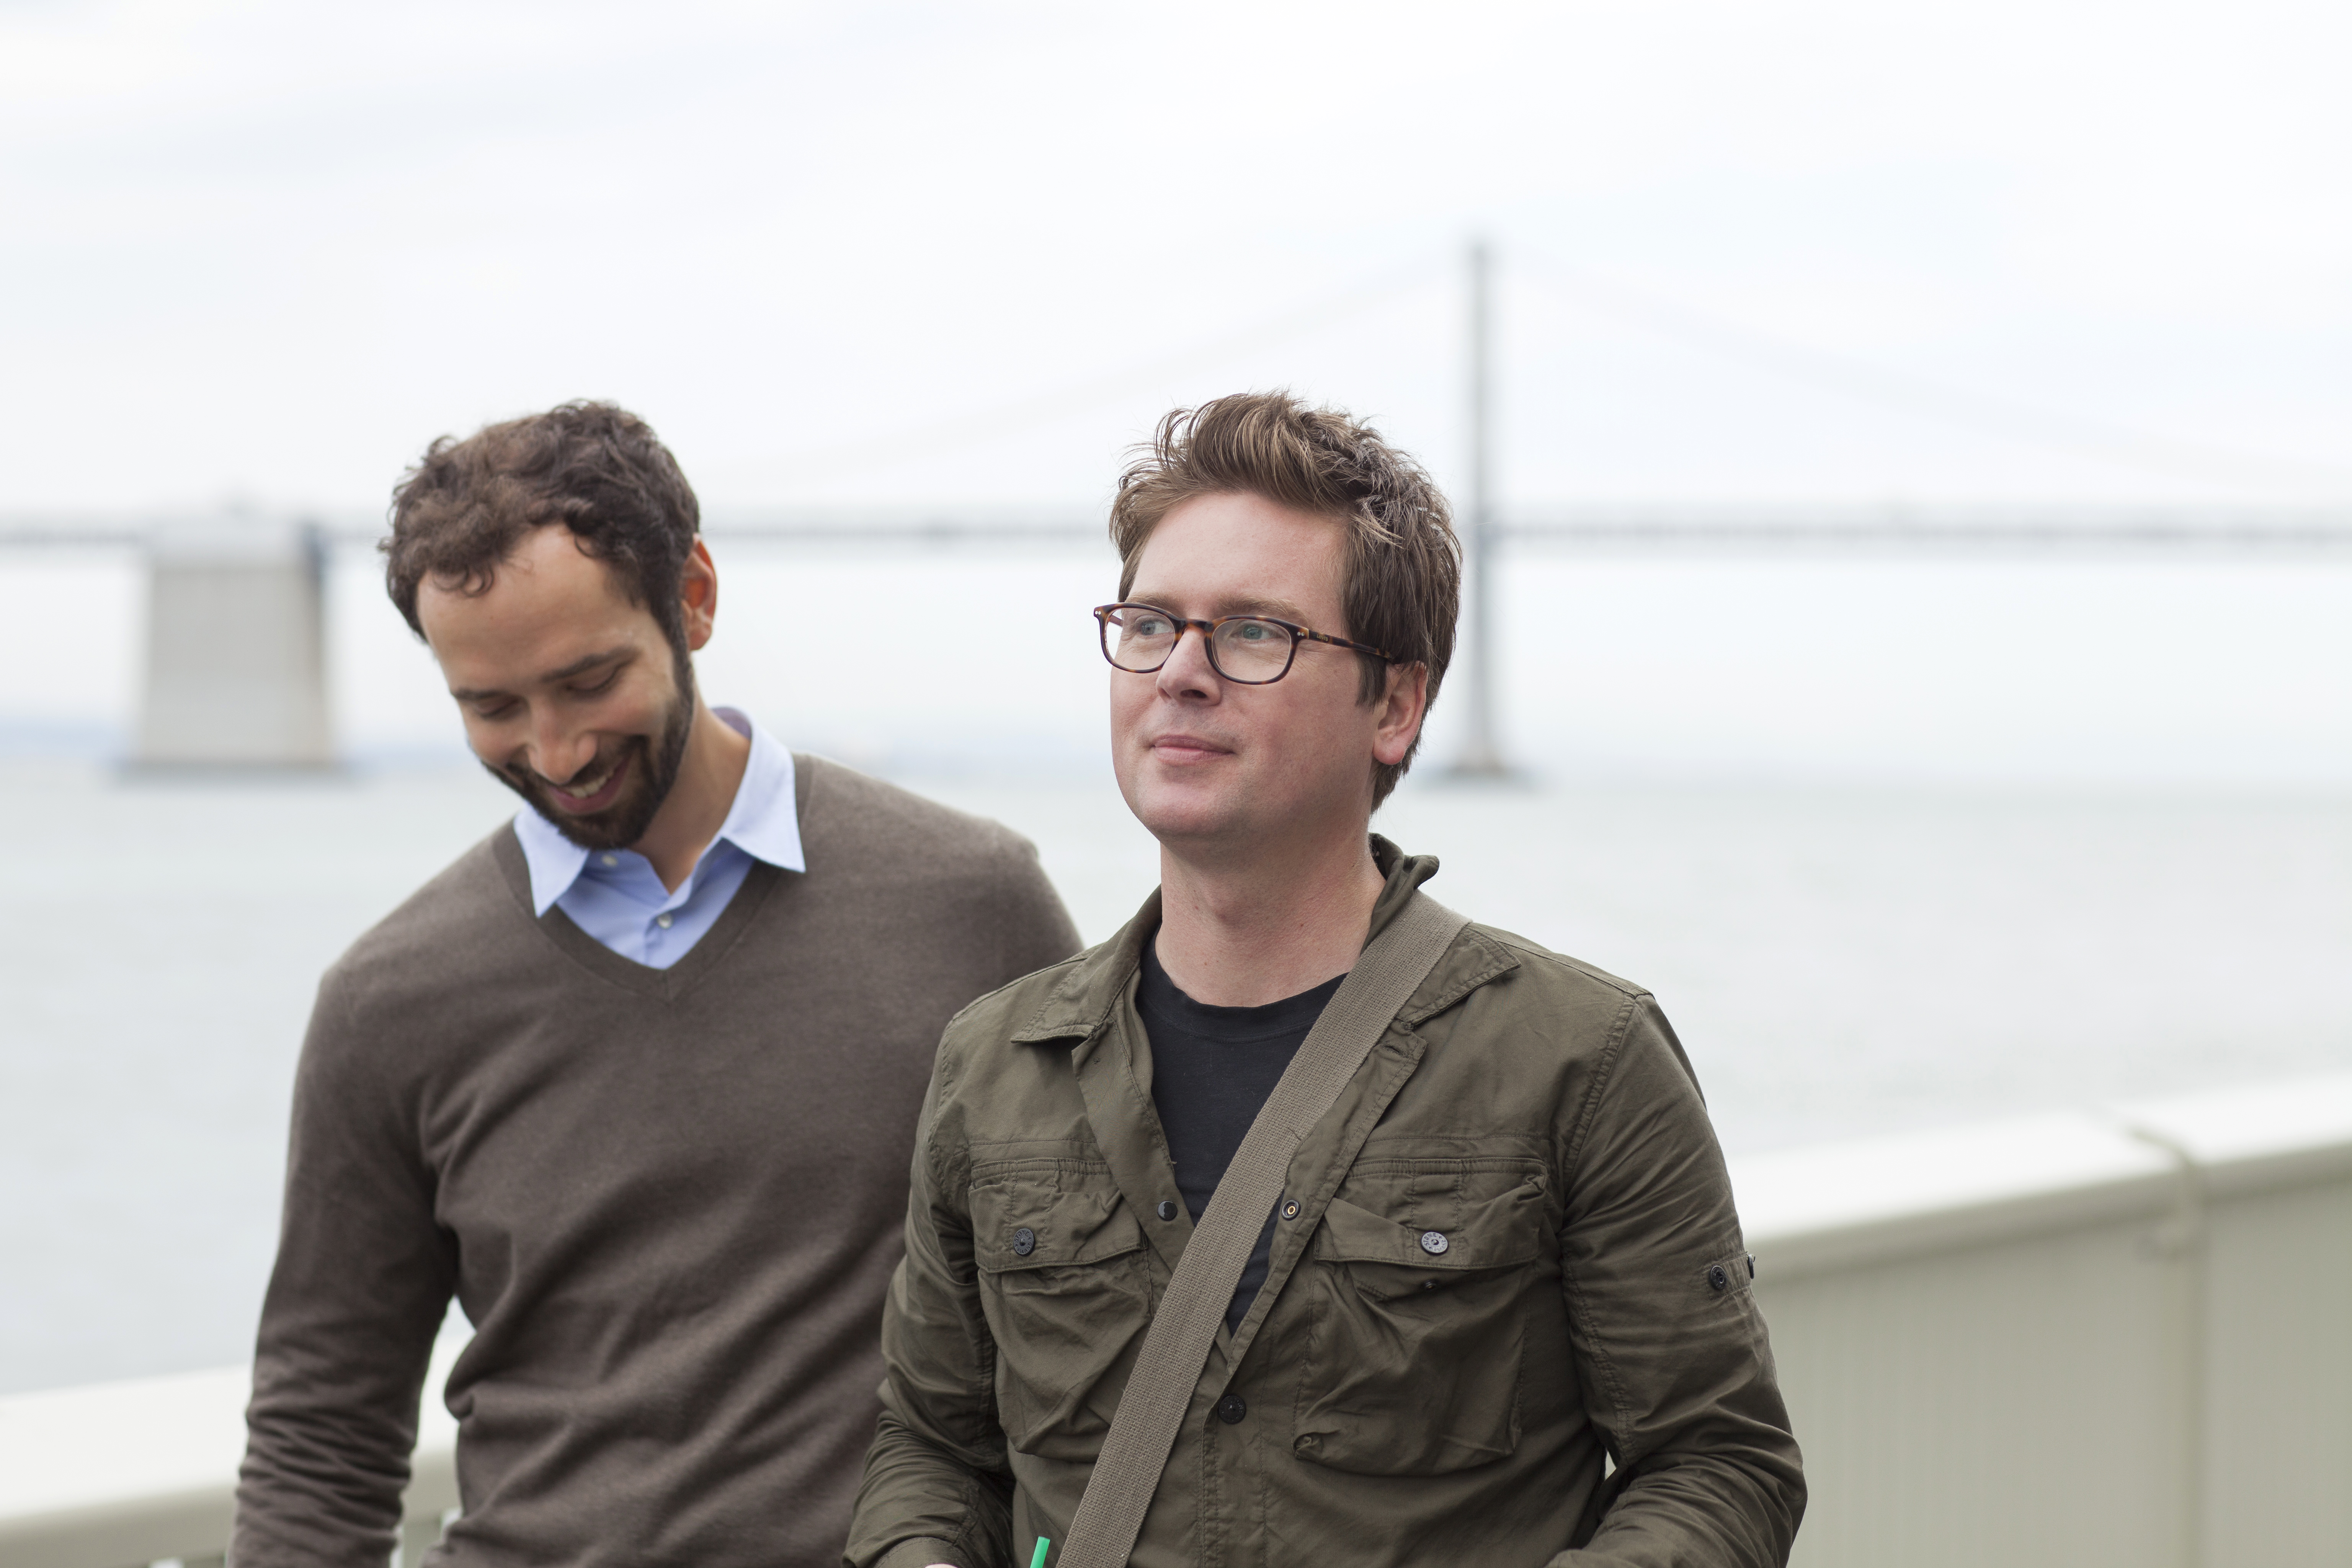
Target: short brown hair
{"points": [[594, 467], [1403, 573]]}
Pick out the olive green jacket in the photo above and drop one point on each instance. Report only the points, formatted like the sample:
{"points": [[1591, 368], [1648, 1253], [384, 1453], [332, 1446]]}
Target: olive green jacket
{"points": [[1388, 1399]]}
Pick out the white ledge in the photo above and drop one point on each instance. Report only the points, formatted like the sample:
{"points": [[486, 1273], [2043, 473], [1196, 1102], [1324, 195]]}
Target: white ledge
{"points": [[114, 1474], [127, 1473], [1848, 1205]]}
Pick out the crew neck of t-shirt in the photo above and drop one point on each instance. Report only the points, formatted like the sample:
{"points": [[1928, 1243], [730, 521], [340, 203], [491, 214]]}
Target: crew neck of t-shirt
{"points": [[1159, 996]]}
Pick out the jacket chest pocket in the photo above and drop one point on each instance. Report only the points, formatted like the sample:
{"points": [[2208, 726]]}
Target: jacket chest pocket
{"points": [[1068, 1294], [1420, 1279]]}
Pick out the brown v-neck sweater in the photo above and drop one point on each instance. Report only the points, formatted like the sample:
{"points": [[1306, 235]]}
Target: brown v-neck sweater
{"points": [[669, 1201]]}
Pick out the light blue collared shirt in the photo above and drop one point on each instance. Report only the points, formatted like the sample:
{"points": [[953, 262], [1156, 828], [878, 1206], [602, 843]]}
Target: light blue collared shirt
{"points": [[614, 894]]}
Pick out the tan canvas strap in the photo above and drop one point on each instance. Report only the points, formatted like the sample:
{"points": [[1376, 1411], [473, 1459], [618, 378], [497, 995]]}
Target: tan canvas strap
{"points": [[1176, 1347]]}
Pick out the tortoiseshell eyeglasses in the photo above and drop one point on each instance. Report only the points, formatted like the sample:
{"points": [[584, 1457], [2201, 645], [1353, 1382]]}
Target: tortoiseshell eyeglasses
{"points": [[1249, 651]]}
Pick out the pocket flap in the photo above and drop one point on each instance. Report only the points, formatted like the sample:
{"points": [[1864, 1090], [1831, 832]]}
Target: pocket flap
{"points": [[1044, 1224], [1499, 1233]]}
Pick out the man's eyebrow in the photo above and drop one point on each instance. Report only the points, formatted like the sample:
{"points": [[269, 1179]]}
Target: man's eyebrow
{"points": [[1280, 609], [1238, 604], [577, 667]]}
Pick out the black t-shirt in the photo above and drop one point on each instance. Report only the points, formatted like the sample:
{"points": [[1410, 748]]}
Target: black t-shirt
{"points": [[1211, 1069]]}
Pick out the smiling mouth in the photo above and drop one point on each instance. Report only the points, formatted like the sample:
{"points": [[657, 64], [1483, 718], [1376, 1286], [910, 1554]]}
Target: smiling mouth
{"points": [[591, 794]]}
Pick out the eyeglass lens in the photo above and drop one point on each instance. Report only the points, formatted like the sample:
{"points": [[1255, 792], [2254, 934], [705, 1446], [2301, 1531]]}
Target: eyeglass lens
{"points": [[1243, 649]]}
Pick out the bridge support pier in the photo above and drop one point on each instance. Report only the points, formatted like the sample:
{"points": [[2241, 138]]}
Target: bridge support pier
{"points": [[235, 667]]}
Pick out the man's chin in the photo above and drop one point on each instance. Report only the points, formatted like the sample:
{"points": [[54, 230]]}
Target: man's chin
{"points": [[1177, 815], [590, 830]]}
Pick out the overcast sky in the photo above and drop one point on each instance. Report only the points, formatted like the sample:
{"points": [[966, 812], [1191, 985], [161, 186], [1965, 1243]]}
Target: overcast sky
{"points": [[1790, 252], [2067, 249]]}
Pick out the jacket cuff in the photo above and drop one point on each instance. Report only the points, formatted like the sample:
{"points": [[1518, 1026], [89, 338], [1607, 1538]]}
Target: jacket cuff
{"points": [[920, 1552]]}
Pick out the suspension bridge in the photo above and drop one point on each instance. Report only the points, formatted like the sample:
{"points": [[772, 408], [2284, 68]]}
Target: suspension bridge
{"points": [[235, 673]]}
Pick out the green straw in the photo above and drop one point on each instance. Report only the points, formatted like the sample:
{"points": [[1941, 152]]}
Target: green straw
{"points": [[1037, 1558]]}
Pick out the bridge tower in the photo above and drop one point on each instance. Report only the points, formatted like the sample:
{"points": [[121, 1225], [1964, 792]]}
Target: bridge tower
{"points": [[235, 670]]}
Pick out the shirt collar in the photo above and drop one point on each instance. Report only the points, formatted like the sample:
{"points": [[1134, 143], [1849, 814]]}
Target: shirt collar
{"points": [[763, 822]]}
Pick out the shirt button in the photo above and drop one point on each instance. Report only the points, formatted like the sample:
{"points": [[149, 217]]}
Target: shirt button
{"points": [[610, 859], [1166, 1209], [1433, 1243], [1232, 1408], [1024, 1242], [662, 920]]}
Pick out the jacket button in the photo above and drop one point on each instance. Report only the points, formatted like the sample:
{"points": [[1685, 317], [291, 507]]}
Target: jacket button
{"points": [[1290, 1209], [1232, 1408], [1433, 1243], [1024, 1242], [1717, 1277], [1166, 1210]]}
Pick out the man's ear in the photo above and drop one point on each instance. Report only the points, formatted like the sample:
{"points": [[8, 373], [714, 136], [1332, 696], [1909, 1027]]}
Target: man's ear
{"points": [[698, 593], [1403, 705]]}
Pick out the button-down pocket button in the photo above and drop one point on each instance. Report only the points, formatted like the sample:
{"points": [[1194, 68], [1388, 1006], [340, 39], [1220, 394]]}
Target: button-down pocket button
{"points": [[1432, 1242], [1024, 1242], [1166, 1210], [1290, 1209], [1232, 1408], [1716, 1279]]}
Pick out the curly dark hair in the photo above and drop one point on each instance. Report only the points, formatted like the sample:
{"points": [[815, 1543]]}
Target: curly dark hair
{"points": [[594, 467], [1404, 584]]}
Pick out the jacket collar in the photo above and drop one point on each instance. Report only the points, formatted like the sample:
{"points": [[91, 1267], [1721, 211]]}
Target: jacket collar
{"points": [[1100, 980]]}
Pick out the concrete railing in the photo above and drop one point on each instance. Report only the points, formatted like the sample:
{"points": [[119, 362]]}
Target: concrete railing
{"points": [[2076, 1340], [122, 1473], [2072, 1340]]}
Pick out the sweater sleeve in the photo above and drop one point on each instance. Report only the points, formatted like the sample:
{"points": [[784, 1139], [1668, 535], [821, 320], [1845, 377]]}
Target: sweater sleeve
{"points": [[938, 1482], [1032, 927], [1674, 1363], [362, 1277]]}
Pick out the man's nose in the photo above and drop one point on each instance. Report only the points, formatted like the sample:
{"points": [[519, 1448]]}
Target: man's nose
{"points": [[1188, 672], [557, 752]]}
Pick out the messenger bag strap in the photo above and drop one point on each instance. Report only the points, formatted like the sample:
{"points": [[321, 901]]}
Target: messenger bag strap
{"points": [[1176, 1347]]}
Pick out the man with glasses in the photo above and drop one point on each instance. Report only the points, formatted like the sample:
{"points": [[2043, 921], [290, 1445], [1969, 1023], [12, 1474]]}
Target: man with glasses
{"points": [[1485, 1300]]}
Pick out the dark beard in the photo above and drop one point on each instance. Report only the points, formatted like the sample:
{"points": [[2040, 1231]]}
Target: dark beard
{"points": [[652, 776]]}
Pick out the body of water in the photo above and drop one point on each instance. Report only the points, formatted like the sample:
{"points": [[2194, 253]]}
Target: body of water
{"points": [[1838, 961]]}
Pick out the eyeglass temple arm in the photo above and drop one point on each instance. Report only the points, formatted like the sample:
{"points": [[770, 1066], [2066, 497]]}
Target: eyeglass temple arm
{"points": [[1354, 647]]}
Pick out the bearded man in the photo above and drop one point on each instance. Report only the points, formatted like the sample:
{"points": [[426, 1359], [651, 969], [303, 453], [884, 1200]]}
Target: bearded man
{"points": [[634, 1080]]}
